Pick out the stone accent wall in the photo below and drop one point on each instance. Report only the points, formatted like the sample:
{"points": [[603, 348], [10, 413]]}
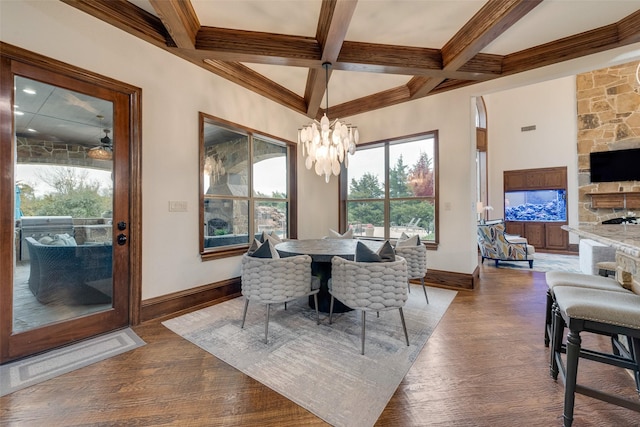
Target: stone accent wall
{"points": [[608, 104], [32, 151]]}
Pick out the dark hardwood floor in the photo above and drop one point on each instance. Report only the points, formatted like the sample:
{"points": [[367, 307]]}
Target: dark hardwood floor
{"points": [[485, 365]]}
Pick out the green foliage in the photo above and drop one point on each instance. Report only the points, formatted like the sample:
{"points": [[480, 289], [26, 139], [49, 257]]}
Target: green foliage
{"points": [[74, 195], [416, 181], [367, 188], [366, 213], [398, 180]]}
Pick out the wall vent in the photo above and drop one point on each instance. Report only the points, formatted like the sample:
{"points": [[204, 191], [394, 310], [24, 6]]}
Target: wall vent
{"points": [[528, 128]]}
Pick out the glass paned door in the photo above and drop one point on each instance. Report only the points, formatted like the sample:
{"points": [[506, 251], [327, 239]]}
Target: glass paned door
{"points": [[63, 206], [69, 146]]}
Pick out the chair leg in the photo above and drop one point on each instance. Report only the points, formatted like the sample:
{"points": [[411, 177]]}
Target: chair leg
{"points": [[531, 263], [404, 326], [557, 331], [315, 301], [547, 322], [330, 310], [244, 313], [496, 263], [424, 288], [409, 286], [266, 324], [634, 346], [364, 319], [573, 356], [285, 305]]}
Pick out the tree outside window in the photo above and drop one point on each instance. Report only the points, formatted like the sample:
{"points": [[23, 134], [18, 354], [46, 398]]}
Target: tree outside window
{"points": [[392, 188]]}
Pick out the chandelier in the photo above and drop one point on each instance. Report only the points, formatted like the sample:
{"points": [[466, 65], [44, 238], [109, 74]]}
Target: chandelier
{"points": [[104, 151], [325, 143]]}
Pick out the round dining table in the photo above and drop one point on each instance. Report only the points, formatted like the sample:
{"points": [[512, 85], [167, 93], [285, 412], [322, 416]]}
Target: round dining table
{"points": [[321, 252]]}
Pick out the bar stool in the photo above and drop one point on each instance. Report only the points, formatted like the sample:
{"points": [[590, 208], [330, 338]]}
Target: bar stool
{"points": [[606, 268], [577, 280], [595, 311]]}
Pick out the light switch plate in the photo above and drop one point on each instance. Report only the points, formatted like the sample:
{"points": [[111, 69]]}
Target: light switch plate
{"points": [[177, 206]]}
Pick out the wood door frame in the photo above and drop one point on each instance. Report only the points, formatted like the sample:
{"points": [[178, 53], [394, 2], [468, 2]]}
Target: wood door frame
{"points": [[10, 54]]}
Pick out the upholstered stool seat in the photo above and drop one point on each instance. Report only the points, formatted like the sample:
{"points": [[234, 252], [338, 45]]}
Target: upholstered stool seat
{"points": [[606, 268], [595, 311], [591, 253], [576, 280]]}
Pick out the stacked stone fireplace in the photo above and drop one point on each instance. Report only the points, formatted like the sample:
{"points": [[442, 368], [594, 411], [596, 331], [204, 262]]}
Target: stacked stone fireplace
{"points": [[608, 119]]}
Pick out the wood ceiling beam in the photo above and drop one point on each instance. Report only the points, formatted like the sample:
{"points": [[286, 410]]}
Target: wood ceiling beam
{"points": [[333, 23], [256, 82], [179, 19], [629, 28], [378, 100], [127, 17], [241, 46], [576, 46], [434, 71], [493, 19]]}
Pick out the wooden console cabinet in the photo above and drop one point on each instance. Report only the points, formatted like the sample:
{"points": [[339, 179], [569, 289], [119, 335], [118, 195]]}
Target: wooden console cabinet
{"points": [[542, 235]]}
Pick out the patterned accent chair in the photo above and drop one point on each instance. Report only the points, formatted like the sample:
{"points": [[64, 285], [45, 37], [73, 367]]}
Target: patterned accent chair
{"points": [[494, 245], [275, 281], [369, 286]]}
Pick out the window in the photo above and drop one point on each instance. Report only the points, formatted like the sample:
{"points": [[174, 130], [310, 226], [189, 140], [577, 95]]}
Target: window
{"points": [[245, 187], [391, 187]]}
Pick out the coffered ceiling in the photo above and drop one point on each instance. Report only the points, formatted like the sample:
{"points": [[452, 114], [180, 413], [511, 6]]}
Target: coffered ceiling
{"points": [[383, 52]]}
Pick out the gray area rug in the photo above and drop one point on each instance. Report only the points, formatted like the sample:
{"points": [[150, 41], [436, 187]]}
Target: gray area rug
{"points": [[23, 373], [319, 367], [543, 262]]}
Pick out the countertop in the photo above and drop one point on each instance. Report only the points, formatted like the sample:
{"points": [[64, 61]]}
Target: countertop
{"points": [[624, 237]]}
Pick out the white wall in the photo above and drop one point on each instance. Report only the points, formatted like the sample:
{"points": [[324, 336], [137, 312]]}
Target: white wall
{"points": [[551, 107], [173, 93]]}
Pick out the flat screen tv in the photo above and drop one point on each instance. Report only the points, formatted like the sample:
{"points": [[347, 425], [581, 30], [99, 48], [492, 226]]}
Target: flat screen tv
{"points": [[536, 205], [618, 165]]}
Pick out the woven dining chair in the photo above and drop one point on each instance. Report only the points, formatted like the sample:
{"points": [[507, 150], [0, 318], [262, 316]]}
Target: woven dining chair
{"points": [[369, 286], [416, 257], [277, 280]]}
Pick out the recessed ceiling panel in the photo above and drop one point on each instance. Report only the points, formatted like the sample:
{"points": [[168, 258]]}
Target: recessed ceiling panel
{"points": [[292, 78], [416, 23], [292, 17], [555, 19], [349, 85]]}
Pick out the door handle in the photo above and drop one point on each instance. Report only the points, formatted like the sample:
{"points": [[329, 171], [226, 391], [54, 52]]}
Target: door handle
{"points": [[121, 239]]}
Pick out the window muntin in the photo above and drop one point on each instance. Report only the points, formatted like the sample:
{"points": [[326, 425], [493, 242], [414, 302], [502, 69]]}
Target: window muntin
{"points": [[245, 187], [402, 172], [367, 174]]}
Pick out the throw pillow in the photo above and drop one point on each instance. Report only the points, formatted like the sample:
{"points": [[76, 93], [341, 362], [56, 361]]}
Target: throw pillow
{"points": [[266, 250], [335, 235], [45, 240], [254, 246], [66, 239], [270, 236], [409, 241], [384, 254]]}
